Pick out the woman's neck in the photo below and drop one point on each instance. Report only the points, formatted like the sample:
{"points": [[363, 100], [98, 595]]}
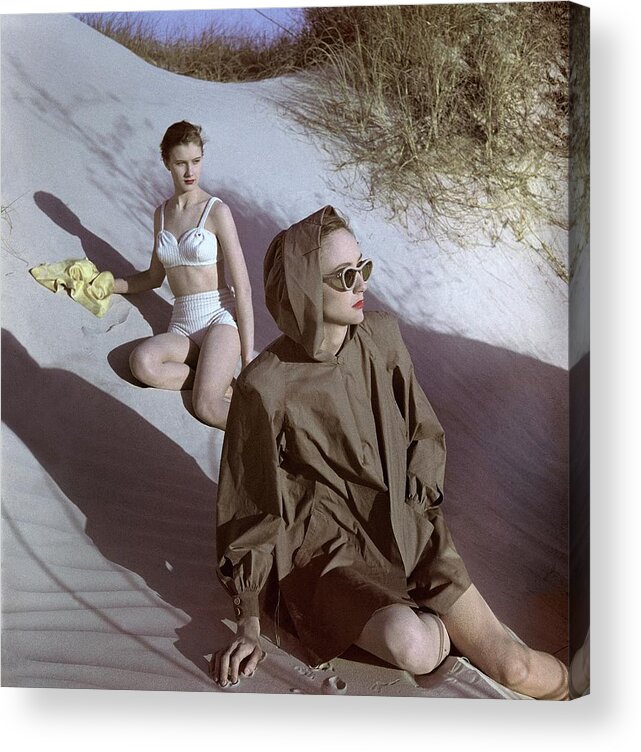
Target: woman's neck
{"points": [[189, 198]]}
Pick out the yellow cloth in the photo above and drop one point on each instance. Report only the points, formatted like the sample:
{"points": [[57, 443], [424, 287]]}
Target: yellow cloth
{"points": [[81, 279]]}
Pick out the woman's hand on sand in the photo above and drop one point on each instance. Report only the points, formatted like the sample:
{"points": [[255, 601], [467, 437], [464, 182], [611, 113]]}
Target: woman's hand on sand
{"points": [[120, 286], [241, 657]]}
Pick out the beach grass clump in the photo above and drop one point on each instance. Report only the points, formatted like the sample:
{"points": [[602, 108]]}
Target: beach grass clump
{"points": [[458, 113], [213, 54], [454, 115]]}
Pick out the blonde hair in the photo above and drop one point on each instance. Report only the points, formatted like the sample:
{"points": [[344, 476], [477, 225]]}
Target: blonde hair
{"points": [[331, 222]]}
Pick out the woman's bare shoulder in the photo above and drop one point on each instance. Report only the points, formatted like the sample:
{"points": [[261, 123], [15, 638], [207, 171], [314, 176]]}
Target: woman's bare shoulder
{"points": [[220, 217], [219, 208]]}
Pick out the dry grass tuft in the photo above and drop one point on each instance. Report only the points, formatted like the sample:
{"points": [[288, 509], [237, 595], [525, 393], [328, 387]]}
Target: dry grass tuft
{"points": [[212, 55], [6, 222], [458, 113]]}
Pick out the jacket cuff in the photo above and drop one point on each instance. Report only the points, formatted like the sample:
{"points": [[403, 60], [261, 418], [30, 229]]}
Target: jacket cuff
{"points": [[246, 604]]}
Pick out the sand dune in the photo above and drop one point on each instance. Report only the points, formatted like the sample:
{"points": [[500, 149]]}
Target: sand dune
{"points": [[109, 489]]}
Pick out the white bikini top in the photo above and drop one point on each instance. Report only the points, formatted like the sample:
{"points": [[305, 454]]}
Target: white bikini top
{"points": [[195, 247]]}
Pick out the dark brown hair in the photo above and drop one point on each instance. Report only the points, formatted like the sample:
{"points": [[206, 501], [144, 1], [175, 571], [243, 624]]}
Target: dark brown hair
{"points": [[180, 133]]}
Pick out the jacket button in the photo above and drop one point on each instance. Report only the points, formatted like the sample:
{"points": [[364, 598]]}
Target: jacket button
{"points": [[237, 601], [238, 611]]}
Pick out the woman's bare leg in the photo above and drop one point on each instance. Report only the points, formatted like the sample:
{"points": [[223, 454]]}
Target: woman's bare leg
{"points": [[481, 637], [406, 640], [217, 362], [165, 361]]}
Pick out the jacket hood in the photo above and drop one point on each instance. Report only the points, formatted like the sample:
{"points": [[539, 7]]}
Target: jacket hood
{"points": [[293, 282]]}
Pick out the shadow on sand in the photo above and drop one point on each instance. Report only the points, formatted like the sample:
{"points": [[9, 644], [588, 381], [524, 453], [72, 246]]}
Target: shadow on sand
{"points": [[256, 229], [152, 307], [147, 502]]}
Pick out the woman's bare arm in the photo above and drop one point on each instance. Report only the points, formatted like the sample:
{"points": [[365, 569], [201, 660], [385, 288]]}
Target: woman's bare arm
{"points": [[228, 237], [149, 279]]}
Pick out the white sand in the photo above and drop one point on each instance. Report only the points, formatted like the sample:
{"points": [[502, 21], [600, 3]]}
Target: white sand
{"points": [[109, 489]]}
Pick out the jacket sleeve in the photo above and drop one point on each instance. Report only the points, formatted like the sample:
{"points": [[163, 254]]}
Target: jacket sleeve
{"points": [[425, 435], [249, 500]]}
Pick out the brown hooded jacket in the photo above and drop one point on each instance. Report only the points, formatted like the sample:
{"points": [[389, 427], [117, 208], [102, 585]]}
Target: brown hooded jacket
{"points": [[332, 469]]}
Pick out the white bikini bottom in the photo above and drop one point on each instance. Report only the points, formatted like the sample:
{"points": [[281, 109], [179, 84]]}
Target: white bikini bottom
{"points": [[194, 314]]}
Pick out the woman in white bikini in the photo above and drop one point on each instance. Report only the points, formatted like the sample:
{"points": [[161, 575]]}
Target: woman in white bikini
{"points": [[211, 324]]}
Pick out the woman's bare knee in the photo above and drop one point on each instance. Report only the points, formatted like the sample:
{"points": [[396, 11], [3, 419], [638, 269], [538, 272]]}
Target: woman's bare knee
{"points": [[144, 366], [211, 408], [400, 637], [414, 658], [429, 646]]}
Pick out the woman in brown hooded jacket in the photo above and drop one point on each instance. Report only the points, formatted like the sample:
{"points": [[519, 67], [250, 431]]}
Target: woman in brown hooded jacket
{"points": [[331, 485]]}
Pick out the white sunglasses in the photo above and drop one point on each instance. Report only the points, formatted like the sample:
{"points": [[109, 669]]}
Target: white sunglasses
{"points": [[347, 276]]}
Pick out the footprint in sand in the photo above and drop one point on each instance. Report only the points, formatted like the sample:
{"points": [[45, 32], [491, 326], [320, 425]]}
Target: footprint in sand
{"points": [[99, 327], [379, 687], [306, 672], [334, 685]]}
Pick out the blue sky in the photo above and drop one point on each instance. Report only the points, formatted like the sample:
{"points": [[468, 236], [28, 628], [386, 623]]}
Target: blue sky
{"points": [[262, 20]]}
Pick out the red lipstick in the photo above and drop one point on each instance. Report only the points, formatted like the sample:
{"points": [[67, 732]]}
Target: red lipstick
{"points": [[359, 305]]}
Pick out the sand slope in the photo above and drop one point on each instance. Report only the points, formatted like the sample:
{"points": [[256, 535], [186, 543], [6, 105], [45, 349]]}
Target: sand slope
{"points": [[109, 489]]}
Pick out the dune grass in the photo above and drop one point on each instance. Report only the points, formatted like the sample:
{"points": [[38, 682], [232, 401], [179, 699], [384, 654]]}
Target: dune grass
{"points": [[456, 116], [213, 55]]}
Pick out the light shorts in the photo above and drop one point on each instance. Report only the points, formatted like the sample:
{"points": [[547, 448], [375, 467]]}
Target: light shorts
{"points": [[194, 314]]}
